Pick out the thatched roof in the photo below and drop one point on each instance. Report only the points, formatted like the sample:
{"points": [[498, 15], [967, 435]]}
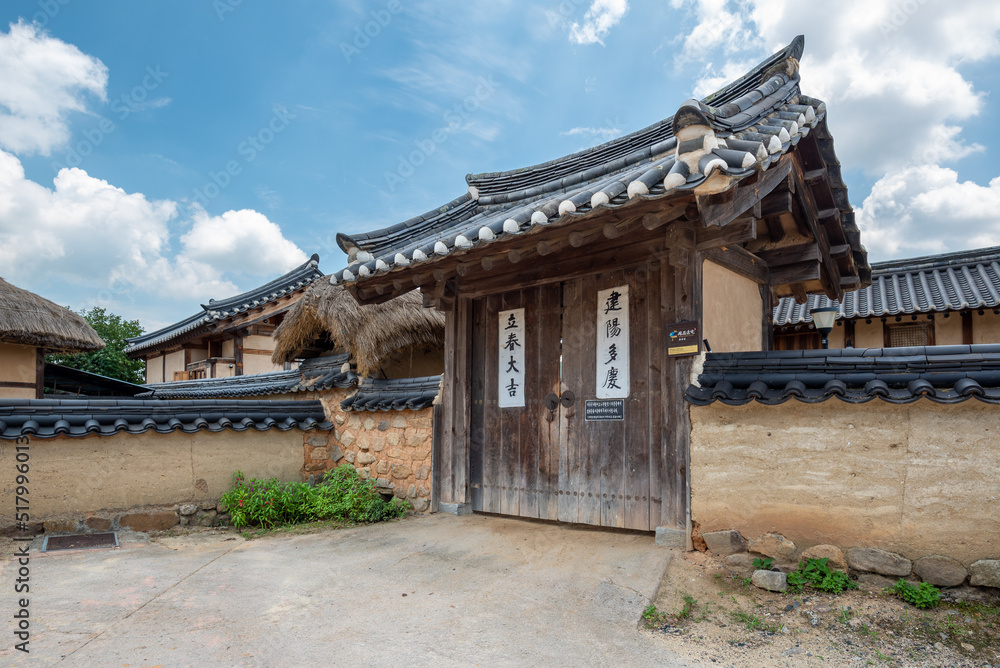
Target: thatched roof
{"points": [[30, 320], [369, 333]]}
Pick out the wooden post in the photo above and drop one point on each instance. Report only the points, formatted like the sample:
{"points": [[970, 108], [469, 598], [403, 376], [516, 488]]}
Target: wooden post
{"points": [[238, 354], [39, 374]]}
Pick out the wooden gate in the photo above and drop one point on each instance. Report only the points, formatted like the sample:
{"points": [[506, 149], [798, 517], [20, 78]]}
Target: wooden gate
{"points": [[545, 460]]}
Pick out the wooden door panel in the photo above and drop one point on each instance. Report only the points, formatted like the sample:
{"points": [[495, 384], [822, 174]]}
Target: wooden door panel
{"points": [[535, 462]]}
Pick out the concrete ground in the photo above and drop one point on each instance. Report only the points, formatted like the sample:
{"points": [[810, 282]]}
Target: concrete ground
{"points": [[433, 590]]}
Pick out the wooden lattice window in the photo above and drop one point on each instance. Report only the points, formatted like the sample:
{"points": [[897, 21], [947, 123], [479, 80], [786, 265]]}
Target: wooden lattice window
{"points": [[809, 340], [908, 334]]}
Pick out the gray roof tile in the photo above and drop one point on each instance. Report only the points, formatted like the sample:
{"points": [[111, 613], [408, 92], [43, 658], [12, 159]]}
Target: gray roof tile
{"points": [[47, 418], [935, 283]]}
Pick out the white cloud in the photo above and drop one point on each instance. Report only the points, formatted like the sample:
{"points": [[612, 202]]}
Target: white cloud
{"points": [[926, 209], [86, 233], [602, 133], [601, 17], [44, 81]]}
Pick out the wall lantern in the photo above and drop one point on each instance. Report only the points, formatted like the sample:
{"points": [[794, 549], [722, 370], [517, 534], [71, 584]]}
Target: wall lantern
{"points": [[823, 319]]}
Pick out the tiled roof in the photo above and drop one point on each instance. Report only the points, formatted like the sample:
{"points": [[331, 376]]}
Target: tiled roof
{"points": [[296, 279], [396, 394], [739, 131], [944, 374], [313, 375], [46, 418], [948, 282]]}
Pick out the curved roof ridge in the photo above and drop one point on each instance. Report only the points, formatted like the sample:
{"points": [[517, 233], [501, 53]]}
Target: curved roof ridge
{"points": [[724, 99]]}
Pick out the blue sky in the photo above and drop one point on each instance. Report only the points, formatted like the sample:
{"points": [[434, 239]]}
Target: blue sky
{"points": [[156, 154]]}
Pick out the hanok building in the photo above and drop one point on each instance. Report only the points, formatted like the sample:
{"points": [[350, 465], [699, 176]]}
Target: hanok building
{"points": [[31, 327], [578, 292], [228, 337], [948, 299]]}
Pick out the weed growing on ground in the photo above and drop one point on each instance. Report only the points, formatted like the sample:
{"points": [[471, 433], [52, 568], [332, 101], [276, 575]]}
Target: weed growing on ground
{"points": [[844, 615], [763, 564], [753, 623], [817, 574], [923, 596], [342, 495]]}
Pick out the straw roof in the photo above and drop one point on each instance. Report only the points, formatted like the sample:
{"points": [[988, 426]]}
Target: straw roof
{"points": [[370, 333], [30, 320]]}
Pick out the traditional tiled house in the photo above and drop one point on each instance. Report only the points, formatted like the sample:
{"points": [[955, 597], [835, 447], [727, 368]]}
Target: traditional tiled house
{"points": [[948, 299], [228, 337]]}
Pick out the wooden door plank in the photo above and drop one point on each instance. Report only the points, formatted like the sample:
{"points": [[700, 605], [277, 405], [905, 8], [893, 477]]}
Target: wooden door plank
{"points": [[657, 353], [478, 387], [448, 398], [572, 449], [637, 407], [491, 424], [549, 318], [510, 437], [610, 435], [527, 479], [461, 399], [584, 346]]}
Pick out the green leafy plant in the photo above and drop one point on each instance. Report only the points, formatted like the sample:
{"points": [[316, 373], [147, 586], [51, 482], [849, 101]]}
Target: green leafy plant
{"points": [[817, 574], [925, 595], [763, 564], [754, 623], [343, 494], [688, 608], [844, 615]]}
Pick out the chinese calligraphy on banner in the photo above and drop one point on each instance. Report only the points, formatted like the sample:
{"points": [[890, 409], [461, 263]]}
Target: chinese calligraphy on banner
{"points": [[612, 343], [511, 391]]}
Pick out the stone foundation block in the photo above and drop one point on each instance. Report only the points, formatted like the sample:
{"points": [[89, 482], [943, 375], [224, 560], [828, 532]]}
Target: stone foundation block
{"points": [[773, 545], [723, 543], [336, 454], [985, 573], [157, 520], [188, 509], [98, 524], [874, 560], [670, 537], [834, 555], [940, 571], [455, 508], [420, 505], [61, 526]]}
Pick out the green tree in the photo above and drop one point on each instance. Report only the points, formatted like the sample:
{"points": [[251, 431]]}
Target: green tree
{"points": [[110, 361]]}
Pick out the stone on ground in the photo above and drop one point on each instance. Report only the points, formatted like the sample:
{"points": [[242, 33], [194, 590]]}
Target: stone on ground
{"points": [[724, 543], [835, 557], [874, 560], [773, 545], [770, 580], [985, 573], [940, 571]]}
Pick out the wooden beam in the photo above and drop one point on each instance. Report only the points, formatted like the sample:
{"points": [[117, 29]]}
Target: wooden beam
{"points": [[735, 233], [739, 261], [812, 218], [651, 221], [791, 274], [775, 230], [778, 257], [776, 203], [582, 238], [718, 211], [39, 374], [799, 293]]}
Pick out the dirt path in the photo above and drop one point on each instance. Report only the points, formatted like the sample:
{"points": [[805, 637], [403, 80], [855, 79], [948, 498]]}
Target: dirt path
{"points": [[711, 615]]}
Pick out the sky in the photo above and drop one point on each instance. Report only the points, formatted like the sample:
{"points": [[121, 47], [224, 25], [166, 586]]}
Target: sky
{"points": [[157, 154]]}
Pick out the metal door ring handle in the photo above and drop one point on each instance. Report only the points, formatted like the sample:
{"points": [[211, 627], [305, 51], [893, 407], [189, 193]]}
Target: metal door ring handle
{"points": [[567, 398]]}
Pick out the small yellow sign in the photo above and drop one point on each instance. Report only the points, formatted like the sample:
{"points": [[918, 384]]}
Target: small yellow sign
{"points": [[684, 350]]}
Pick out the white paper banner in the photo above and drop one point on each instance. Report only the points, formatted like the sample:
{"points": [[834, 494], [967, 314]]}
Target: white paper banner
{"points": [[511, 390], [612, 343]]}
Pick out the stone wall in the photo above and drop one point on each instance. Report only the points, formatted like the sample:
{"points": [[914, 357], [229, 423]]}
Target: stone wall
{"points": [[918, 479], [393, 448]]}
